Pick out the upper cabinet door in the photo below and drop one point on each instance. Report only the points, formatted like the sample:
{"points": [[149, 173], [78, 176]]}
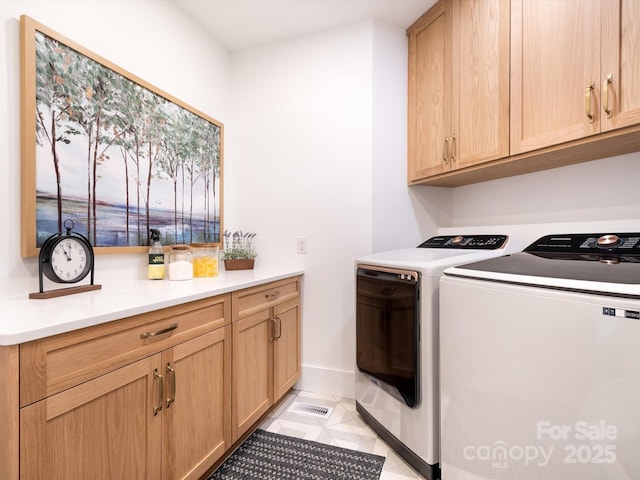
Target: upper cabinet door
{"points": [[620, 77], [480, 44], [555, 78], [429, 93]]}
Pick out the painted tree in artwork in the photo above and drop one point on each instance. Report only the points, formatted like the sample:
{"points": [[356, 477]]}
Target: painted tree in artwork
{"points": [[170, 163], [92, 110], [210, 168], [127, 133], [125, 139], [52, 92]]}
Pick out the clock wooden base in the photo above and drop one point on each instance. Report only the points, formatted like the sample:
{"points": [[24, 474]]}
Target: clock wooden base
{"points": [[64, 291]]}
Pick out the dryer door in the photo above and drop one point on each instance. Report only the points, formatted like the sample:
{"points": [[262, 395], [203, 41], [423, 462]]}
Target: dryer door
{"points": [[387, 330]]}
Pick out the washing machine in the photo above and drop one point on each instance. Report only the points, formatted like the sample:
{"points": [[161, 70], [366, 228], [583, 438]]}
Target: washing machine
{"points": [[540, 362], [397, 340]]}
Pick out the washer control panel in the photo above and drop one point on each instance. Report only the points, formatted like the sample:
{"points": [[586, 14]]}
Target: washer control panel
{"points": [[471, 242], [618, 243]]}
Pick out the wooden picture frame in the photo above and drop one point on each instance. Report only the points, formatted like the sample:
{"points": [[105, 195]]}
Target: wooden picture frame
{"points": [[110, 151]]}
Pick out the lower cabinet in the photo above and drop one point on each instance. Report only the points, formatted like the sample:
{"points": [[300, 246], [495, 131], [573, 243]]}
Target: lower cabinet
{"points": [[101, 429], [166, 416], [266, 349], [286, 348], [158, 396], [197, 404], [252, 371]]}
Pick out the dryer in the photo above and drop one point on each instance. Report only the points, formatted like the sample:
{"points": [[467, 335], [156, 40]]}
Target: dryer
{"points": [[540, 362], [397, 340]]}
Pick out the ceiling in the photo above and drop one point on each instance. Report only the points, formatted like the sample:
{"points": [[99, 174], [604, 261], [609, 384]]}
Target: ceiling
{"points": [[239, 24]]}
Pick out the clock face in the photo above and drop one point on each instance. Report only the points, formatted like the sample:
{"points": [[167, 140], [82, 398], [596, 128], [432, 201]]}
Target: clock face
{"points": [[70, 260]]}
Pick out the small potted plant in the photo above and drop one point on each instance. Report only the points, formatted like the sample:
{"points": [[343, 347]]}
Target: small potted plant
{"points": [[238, 253]]}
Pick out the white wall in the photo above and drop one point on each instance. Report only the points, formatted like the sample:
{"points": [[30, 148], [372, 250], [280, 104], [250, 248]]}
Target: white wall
{"points": [[600, 190], [301, 150], [402, 217], [153, 40]]}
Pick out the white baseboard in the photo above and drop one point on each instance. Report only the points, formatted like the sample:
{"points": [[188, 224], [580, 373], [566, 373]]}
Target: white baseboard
{"points": [[338, 383]]}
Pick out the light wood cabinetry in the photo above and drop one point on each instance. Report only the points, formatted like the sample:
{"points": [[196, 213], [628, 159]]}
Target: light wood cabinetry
{"points": [[574, 90], [197, 425], [103, 428], [146, 397], [575, 70], [620, 64], [458, 86], [159, 396], [555, 56], [429, 93], [266, 349]]}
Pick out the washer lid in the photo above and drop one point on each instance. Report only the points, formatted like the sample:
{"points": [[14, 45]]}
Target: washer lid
{"points": [[598, 263]]}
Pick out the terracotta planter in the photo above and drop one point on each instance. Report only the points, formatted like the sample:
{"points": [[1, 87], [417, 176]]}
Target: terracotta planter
{"points": [[239, 264]]}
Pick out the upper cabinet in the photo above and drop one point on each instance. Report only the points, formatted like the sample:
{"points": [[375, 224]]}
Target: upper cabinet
{"points": [[458, 86], [574, 70], [555, 63], [505, 87], [429, 46], [480, 109], [620, 64]]}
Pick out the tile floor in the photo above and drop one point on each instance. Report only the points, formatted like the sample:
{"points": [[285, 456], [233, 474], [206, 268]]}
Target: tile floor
{"points": [[342, 427]]}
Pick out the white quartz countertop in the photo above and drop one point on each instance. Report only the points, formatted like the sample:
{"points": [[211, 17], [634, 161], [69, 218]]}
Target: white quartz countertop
{"points": [[23, 319]]}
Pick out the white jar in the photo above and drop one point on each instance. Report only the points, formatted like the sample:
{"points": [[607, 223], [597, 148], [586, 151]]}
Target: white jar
{"points": [[180, 263]]}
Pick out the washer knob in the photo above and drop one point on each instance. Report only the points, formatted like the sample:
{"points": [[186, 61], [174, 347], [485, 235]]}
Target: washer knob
{"points": [[457, 240], [608, 240]]}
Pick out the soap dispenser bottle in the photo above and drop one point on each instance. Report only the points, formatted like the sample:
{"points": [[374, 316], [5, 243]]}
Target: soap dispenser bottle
{"points": [[156, 256]]}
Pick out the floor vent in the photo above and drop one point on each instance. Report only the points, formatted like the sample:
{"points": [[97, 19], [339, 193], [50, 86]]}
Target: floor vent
{"points": [[311, 409]]}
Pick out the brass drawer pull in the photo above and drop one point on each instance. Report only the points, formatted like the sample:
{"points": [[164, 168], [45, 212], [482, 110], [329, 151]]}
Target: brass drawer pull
{"points": [[172, 398], [271, 296], [160, 391], [170, 328]]}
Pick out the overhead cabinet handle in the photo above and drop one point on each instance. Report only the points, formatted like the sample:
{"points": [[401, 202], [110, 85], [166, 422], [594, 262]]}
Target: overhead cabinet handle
{"points": [[446, 150], [587, 101], [605, 95], [170, 328], [453, 148]]}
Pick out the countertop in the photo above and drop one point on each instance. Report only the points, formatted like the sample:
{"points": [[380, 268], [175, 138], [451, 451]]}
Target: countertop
{"points": [[23, 319]]}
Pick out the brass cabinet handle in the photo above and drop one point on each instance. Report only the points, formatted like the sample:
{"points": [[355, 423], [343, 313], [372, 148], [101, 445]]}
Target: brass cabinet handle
{"points": [[605, 95], [453, 148], [160, 391], [170, 328], [278, 327], [273, 329], [172, 398], [587, 101], [446, 150], [271, 296]]}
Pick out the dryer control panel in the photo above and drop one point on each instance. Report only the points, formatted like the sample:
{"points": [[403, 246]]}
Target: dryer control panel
{"points": [[470, 242]]}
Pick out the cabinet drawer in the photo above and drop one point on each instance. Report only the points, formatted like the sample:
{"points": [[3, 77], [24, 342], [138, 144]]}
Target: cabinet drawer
{"points": [[53, 364], [251, 300]]}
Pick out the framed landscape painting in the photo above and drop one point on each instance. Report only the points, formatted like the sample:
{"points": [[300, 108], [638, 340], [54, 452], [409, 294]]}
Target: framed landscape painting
{"points": [[112, 153]]}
